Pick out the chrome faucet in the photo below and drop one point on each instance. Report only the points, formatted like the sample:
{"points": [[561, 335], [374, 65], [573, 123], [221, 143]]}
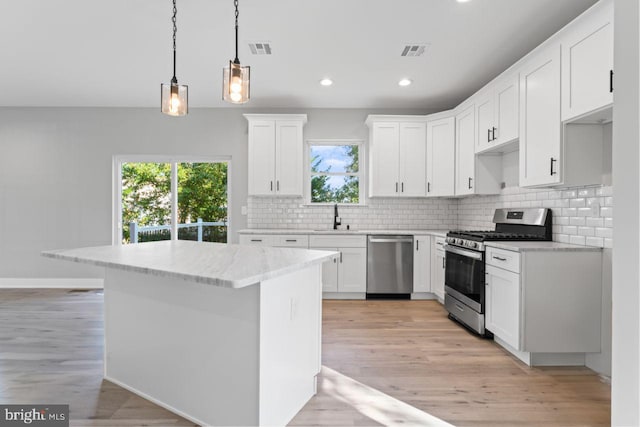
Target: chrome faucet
{"points": [[336, 218]]}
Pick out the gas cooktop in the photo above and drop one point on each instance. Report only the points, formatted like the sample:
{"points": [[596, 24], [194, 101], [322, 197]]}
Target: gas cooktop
{"points": [[485, 236]]}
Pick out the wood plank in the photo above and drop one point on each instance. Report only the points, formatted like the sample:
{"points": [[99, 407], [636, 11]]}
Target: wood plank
{"points": [[51, 352]]}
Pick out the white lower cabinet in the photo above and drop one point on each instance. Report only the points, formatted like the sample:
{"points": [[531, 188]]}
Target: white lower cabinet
{"points": [[421, 263], [437, 268], [347, 273], [502, 298], [276, 240], [329, 273], [544, 306]]}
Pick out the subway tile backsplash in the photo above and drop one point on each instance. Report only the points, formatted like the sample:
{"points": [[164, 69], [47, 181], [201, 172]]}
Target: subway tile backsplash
{"points": [[582, 216], [388, 213]]}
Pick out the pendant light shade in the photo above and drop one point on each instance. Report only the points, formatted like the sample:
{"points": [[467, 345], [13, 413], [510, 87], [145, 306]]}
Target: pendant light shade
{"points": [[174, 98], [236, 78]]}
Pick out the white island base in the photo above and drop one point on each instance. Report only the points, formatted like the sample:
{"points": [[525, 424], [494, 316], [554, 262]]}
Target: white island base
{"points": [[216, 355]]}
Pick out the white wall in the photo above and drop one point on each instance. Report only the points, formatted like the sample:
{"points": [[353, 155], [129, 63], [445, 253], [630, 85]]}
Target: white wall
{"points": [[56, 166], [625, 395]]}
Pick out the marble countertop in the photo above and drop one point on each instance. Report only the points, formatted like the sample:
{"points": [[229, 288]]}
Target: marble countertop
{"points": [[227, 265], [441, 233], [539, 246]]}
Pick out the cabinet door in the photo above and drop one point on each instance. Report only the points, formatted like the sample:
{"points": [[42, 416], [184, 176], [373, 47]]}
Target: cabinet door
{"points": [[352, 270], [485, 109], [329, 272], [587, 64], [441, 157], [413, 149], [502, 296], [384, 153], [540, 126], [289, 163], [437, 272], [421, 264], [507, 110], [465, 151], [262, 148]]}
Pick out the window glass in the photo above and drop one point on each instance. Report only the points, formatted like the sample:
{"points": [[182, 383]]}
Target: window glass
{"points": [[335, 173]]}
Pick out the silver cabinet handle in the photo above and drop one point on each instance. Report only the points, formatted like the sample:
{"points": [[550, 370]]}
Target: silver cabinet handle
{"points": [[291, 240], [340, 257], [463, 252], [396, 187], [499, 258], [417, 245], [256, 240], [402, 186], [271, 183], [278, 185]]}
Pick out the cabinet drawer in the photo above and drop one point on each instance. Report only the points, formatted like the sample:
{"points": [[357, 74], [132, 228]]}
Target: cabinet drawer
{"points": [[509, 260], [256, 239], [338, 241], [291, 241]]}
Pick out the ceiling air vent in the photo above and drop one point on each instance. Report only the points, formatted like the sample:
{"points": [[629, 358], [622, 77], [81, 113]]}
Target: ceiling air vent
{"points": [[414, 49], [260, 48]]}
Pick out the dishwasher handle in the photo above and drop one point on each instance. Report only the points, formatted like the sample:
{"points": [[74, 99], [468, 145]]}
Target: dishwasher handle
{"points": [[381, 240]]}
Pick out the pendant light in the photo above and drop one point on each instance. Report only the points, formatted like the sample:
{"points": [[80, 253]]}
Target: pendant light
{"points": [[235, 78], [174, 98]]}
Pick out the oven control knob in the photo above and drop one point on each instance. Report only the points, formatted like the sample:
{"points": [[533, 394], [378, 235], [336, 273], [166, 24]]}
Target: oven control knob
{"points": [[460, 242], [473, 244]]}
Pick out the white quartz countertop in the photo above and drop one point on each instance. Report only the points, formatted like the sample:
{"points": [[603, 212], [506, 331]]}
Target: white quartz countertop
{"points": [[233, 266], [441, 233], [539, 246]]}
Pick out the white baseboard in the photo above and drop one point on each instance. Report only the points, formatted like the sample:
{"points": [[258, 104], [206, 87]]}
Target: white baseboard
{"points": [[50, 283]]}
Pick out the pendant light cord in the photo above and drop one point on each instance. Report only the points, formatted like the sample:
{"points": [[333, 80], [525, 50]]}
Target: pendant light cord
{"points": [[175, 30], [235, 2]]}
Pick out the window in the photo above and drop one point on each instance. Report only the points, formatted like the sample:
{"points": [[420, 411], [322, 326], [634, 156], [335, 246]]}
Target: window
{"points": [[335, 172], [168, 199]]}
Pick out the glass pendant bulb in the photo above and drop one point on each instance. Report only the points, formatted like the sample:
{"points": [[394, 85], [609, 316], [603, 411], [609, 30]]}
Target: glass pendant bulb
{"points": [[235, 79], [174, 98]]}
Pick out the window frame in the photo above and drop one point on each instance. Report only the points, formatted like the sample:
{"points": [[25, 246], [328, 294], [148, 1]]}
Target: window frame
{"points": [[116, 194], [361, 169]]}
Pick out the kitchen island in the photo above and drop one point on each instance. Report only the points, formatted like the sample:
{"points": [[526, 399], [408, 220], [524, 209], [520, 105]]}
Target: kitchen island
{"points": [[219, 334]]}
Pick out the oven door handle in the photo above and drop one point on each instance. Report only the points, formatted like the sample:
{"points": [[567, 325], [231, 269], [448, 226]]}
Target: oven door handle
{"points": [[463, 252]]}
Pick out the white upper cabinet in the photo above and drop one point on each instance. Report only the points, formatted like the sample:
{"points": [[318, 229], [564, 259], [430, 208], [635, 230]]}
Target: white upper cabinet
{"points": [[497, 114], [441, 157], [384, 147], [413, 148], [275, 154], [587, 63], [540, 126], [465, 153], [397, 156]]}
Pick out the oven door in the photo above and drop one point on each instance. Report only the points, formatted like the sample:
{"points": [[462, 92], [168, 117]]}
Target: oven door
{"points": [[464, 276]]}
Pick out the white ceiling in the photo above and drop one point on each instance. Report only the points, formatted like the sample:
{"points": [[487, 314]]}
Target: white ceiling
{"points": [[117, 52]]}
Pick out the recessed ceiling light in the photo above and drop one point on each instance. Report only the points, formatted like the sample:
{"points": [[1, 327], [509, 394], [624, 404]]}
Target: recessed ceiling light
{"points": [[326, 82], [405, 82], [463, 1]]}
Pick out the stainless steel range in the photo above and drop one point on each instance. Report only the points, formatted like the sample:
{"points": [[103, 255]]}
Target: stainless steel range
{"points": [[465, 260]]}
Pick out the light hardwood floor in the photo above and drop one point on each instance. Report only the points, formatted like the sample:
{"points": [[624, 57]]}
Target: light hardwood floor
{"points": [[385, 362]]}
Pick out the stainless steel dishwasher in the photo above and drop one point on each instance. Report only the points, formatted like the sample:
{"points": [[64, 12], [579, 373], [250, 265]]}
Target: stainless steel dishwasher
{"points": [[389, 266]]}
